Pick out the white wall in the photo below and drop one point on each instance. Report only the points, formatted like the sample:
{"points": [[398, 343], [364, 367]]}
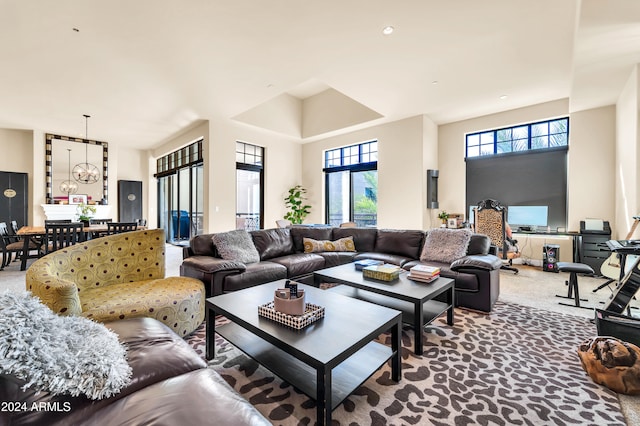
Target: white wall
{"points": [[405, 151], [282, 169], [590, 165], [626, 148]]}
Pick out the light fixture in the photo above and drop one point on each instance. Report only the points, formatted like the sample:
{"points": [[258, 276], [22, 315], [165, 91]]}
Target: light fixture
{"points": [[503, 97], [86, 172], [68, 186], [387, 30]]}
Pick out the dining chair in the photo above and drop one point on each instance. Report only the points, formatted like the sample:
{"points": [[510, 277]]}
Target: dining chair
{"points": [[61, 235], [120, 227], [8, 246]]}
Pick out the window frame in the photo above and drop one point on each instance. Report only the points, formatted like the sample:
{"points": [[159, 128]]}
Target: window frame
{"points": [[492, 139]]}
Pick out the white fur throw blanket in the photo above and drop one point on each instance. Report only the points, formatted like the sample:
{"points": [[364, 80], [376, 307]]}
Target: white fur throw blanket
{"points": [[59, 354]]}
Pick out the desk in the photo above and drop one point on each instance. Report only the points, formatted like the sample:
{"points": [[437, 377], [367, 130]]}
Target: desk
{"points": [[575, 235], [28, 232]]}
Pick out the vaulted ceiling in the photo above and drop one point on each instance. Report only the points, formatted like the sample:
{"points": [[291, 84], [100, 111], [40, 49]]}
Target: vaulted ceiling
{"points": [[146, 69]]}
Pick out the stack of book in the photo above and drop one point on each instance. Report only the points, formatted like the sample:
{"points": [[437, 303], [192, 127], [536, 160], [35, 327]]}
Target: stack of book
{"points": [[424, 273]]}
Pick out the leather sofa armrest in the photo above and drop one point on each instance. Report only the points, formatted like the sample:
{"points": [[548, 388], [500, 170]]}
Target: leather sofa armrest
{"points": [[211, 265], [486, 262]]}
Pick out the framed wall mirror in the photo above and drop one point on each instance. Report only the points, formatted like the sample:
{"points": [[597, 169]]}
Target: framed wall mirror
{"points": [[62, 154]]}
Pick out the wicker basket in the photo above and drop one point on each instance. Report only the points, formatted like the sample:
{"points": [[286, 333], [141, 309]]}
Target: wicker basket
{"points": [[312, 314]]}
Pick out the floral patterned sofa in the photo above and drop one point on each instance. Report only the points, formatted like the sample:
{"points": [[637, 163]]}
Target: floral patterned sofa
{"points": [[116, 277]]}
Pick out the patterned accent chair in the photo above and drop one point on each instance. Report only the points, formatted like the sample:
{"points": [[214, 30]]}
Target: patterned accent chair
{"points": [[490, 220], [116, 277]]}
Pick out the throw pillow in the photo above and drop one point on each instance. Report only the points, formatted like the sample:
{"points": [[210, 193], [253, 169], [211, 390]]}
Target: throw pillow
{"points": [[445, 245], [317, 246], [62, 355], [236, 245]]}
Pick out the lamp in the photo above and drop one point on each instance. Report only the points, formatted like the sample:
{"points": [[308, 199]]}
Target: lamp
{"points": [[68, 186], [86, 172]]}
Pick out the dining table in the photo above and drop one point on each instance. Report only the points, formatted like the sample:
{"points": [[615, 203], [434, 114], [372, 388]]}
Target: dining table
{"points": [[37, 233]]}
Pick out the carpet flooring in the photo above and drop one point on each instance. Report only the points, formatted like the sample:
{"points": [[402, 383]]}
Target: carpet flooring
{"points": [[515, 366]]}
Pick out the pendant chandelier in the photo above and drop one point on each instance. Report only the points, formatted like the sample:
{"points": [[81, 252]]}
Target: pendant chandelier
{"points": [[86, 172], [68, 186]]}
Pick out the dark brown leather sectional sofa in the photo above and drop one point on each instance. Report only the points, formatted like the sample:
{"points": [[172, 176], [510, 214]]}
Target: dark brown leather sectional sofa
{"points": [[477, 279], [171, 385]]}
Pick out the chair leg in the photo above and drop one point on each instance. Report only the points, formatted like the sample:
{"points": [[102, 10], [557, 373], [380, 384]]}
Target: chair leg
{"points": [[573, 292]]}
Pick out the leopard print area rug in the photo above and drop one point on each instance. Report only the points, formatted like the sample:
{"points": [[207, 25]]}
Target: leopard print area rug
{"points": [[515, 366]]}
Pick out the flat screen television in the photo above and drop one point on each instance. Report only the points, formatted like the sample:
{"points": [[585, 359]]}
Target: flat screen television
{"points": [[527, 216]]}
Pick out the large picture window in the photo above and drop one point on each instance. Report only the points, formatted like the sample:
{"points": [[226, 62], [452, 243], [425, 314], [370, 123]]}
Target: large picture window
{"points": [[351, 178], [249, 186], [181, 193], [524, 165]]}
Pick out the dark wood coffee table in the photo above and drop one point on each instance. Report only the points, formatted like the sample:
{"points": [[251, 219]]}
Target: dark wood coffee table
{"points": [[416, 300], [328, 359]]}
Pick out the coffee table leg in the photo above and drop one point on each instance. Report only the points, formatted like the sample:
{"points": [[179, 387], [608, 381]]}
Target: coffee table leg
{"points": [[418, 324], [396, 345], [450, 301], [323, 397], [210, 334]]}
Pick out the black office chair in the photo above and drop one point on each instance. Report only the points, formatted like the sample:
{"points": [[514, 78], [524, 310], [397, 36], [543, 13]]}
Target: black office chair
{"points": [[490, 219]]}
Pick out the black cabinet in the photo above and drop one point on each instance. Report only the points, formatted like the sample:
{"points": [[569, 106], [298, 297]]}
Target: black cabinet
{"points": [[14, 197], [129, 200], [594, 250]]}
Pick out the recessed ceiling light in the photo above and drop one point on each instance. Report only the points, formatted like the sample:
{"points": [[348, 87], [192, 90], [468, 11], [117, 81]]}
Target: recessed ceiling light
{"points": [[387, 30], [503, 97], [434, 82]]}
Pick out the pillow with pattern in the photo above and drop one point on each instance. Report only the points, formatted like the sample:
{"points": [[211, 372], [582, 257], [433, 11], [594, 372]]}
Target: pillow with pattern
{"points": [[317, 246], [445, 245], [236, 245]]}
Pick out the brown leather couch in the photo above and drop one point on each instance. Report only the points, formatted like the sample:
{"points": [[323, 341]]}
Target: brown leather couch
{"points": [[282, 256], [171, 385]]}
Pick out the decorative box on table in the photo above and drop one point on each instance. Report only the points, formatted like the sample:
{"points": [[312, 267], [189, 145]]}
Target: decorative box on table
{"points": [[311, 315], [385, 272], [361, 264]]}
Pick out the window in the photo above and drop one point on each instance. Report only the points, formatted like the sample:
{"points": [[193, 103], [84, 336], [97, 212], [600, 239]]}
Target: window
{"points": [[526, 137], [249, 186], [352, 184], [523, 165], [180, 193]]}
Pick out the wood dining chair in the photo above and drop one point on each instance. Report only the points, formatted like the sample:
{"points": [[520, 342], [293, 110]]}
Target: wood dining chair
{"points": [[61, 235]]}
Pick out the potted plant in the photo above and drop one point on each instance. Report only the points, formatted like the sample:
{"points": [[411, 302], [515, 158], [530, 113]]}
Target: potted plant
{"points": [[443, 216], [85, 213], [294, 202]]}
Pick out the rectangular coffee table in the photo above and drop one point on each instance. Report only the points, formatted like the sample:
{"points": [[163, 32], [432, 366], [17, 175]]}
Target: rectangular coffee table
{"points": [[416, 300], [328, 359]]}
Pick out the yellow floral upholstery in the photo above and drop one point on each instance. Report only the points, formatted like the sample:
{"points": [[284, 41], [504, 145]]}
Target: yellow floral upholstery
{"points": [[116, 277]]}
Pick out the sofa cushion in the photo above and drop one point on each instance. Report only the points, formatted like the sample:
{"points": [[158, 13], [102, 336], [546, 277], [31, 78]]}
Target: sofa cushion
{"points": [[363, 238], [256, 273], [335, 258], [318, 246], [273, 242], [236, 245], [59, 354], [298, 264], [300, 232], [202, 245], [479, 244], [401, 242], [394, 259], [445, 245]]}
